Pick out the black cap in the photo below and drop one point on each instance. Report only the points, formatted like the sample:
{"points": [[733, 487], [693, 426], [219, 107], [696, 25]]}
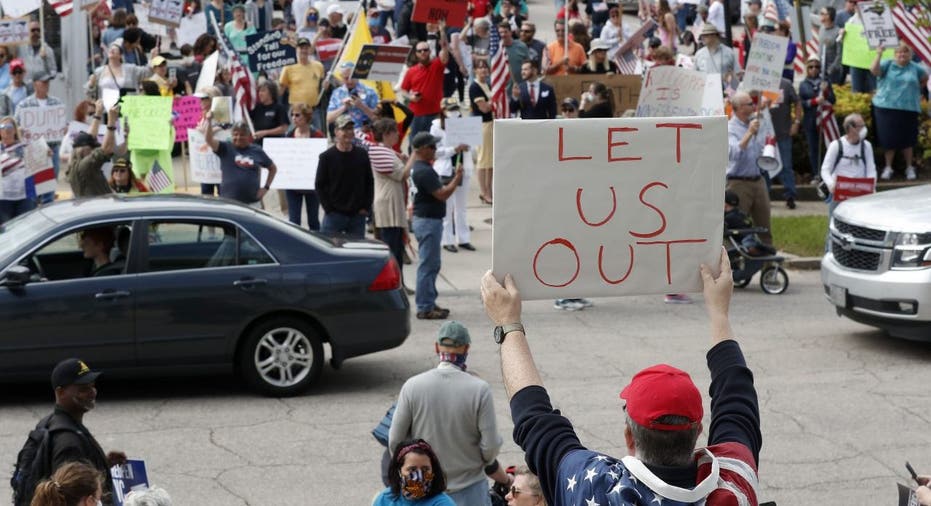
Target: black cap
{"points": [[73, 371], [423, 139], [731, 198], [84, 139], [303, 41]]}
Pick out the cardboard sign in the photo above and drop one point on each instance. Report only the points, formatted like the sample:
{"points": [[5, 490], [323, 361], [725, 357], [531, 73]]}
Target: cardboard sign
{"points": [[857, 52], [49, 122], [878, 26], [379, 62], [128, 477], [269, 51], [624, 89], [609, 206], [14, 32], [205, 165], [433, 11], [36, 157], [221, 108], [166, 12], [190, 28], [142, 12], [466, 130], [296, 161], [764, 63], [19, 8], [850, 187], [186, 114], [149, 122], [673, 91]]}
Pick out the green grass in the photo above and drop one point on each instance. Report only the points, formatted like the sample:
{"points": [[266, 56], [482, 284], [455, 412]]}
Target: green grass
{"points": [[800, 235]]}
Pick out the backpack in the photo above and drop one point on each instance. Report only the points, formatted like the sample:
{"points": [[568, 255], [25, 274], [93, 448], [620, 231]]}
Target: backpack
{"points": [[34, 461], [840, 154]]}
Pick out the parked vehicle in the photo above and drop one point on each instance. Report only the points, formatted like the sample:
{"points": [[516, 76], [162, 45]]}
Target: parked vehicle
{"points": [[193, 285], [878, 270]]}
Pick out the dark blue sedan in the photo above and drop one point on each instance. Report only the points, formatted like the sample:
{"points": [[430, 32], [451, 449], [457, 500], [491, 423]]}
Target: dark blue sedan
{"points": [[153, 285]]}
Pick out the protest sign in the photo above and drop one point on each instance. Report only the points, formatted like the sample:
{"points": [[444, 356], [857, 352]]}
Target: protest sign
{"points": [[850, 187], [433, 11], [907, 496], [166, 12], [128, 477], [142, 12], [672, 91], [624, 89], [190, 28], [110, 97], [19, 8], [186, 114], [296, 161], [605, 207], [208, 72], [379, 62], [14, 32], [205, 165], [49, 122], [857, 52], [149, 122], [466, 130], [878, 27], [764, 63], [221, 109], [36, 157], [269, 51], [76, 127]]}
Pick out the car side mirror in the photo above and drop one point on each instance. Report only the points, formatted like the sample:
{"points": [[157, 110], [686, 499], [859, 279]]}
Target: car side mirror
{"points": [[16, 277]]}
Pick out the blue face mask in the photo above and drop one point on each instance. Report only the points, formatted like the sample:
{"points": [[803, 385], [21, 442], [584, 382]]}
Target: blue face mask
{"points": [[373, 22]]}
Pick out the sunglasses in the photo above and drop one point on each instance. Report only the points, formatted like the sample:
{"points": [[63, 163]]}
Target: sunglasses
{"points": [[423, 50], [526, 31], [7, 126], [117, 171], [516, 491], [296, 115], [35, 30], [814, 66]]}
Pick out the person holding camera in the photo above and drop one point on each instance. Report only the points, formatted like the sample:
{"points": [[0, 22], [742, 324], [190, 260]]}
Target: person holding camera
{"points": [[352, 98]]}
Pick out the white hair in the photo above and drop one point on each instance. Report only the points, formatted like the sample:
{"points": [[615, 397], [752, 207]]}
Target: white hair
{"points": [[154, 496]]}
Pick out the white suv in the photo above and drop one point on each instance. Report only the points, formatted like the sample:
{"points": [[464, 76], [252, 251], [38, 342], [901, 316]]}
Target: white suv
{"points": [[878, 269]]}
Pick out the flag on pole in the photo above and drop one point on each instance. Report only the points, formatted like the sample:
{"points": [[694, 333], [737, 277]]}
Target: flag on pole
{"points": [[62, 7], [906, 21], [626, 57], [813, 49], [158, 178], [827, 122], [361, 35], [244, 91], [41, 182], [500, 77]]}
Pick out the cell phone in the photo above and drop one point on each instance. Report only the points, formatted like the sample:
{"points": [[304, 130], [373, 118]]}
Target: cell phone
{"points": [[911, 470], [172, 73]]}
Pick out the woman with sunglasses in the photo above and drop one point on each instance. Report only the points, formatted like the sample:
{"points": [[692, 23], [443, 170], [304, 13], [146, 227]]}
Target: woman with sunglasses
{"points": [[525, 490], [308, 28], [13, 198], [301, 116], [415, 478], [122, 179]]}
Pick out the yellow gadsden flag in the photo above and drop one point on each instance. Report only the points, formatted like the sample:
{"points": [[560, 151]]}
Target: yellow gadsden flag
{"points": [[358, 38]]}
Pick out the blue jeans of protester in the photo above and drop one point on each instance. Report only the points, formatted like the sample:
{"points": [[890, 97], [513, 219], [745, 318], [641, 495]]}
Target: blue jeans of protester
{"points": [[297, 198], [420, 124], [429, 233], [787, 175], [338, 223], [10, 209], [384, 16], [685, 12], [473, 495]]}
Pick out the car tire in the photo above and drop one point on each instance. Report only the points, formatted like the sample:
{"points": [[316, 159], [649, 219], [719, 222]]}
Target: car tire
{"points": [[281, 357], [774, 280]]}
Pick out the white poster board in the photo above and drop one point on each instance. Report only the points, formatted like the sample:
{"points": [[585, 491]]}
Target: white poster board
{"points": [[14, 32], [166, 12], [208, 72], [673, 91], [205, 165], [145, 24], [467, 130], [764, 63], [607, 207], [878, 26], [19, 8], [191, 28], [36, 156], [296, 161], [49, 122]]}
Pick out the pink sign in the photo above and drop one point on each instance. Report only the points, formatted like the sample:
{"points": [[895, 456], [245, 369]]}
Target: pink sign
{"points": [[186, 113]]}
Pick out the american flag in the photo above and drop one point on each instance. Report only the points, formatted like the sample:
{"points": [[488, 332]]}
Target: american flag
{"points": [[158, 178], [243, 87], [626, 56], [813, 48], [627, 63], [827, 122], [906, 21], [62, 7], [10, 163], [500, 77]]}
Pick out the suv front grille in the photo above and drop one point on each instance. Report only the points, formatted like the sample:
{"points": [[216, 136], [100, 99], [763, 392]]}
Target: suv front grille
{"points": [[870, 234], [855, 258]]}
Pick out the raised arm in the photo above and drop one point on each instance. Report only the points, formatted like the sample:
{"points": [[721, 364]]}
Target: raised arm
{"points": [[109, 139], [444, 43], [874, 67], [206, 128], [503, 306]]}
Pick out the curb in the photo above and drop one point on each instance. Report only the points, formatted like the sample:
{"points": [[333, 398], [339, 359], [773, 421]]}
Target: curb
{"points": [[803, 263]]}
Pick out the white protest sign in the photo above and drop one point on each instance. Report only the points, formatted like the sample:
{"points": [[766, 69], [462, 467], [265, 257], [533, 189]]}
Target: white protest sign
{"points": [[19, 8], [713, 99], [14, 31], [205, 165], [671, 91], [296, 161], [878, 27], [764, 63], [467, 130], [208, 72], [37, 157], [146, 25], [75, 127], [191, 28], [49, 122], [166, 12], [110, 97], [606, 207]]}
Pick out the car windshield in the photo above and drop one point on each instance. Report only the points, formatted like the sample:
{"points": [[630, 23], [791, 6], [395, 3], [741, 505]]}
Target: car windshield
{"points": [[20, 231]]}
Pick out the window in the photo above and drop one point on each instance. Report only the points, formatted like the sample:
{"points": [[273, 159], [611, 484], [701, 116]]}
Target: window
{"points": [[92, 251], [184, 245]]}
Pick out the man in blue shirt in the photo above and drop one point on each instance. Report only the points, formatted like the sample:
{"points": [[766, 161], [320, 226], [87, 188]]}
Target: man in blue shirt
{"points": [[352, 98], [744, 147], [241, 162]]}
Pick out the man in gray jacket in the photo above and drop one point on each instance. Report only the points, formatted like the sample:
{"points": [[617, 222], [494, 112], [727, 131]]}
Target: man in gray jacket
{"points": [[38, 56], [453, 411]]}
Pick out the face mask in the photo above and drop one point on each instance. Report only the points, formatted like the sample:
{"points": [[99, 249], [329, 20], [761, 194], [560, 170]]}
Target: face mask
{"points": [[453, 114], [99, 503], [416, 485], [863, 131], [373, 22], [457, 359]]}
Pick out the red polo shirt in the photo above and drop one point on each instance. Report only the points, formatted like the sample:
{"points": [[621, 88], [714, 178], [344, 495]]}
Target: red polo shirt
{"points": [[428, 81]]}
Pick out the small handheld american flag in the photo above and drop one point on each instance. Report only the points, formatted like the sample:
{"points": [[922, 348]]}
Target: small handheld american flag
{"points": [[158, 178]]}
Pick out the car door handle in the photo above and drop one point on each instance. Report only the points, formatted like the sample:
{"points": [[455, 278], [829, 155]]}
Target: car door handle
{"points": [[111, 295], [249, 283]]}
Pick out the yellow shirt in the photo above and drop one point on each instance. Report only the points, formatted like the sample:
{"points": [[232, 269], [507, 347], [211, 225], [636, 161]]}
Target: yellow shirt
{"points": [[303, 82]]}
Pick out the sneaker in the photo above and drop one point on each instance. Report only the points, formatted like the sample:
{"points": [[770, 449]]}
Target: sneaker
{"points": [[451, 248], [584, 302], [910, 173], [815, 181], [677, 298], [568, 305], [887, 174], [467, 246], [433, 314], [790, 203]]}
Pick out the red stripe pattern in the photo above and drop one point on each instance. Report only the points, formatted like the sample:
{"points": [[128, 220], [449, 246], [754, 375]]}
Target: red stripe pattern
{"points": [[907, 26], [499, 84], [62, 8]]}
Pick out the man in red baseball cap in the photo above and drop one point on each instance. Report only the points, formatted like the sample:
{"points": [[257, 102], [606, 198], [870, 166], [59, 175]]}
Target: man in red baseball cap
{"points": [[663, 419]]}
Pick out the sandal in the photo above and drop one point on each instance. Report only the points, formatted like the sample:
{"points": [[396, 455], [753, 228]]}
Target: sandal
{"points": [[484, 200]]}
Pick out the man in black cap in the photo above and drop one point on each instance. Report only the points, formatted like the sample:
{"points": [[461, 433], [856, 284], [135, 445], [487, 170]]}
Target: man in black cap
{"points": [[344, 183], [84, 174], [429, 211]]}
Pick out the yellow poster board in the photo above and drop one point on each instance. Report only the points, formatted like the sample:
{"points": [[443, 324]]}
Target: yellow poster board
{"points": [[857, 52]]}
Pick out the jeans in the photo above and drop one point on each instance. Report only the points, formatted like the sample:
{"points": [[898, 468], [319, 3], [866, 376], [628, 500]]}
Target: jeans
{"points": [[473, 495], [787, 175], [814, 140], [384, 16], [394, 238], [295, 199], [10, 209], [209, 189], [420, 124], [338, 223], [685, 16], [428, 232]]}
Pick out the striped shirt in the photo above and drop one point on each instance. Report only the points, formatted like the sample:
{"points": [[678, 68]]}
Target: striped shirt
{"points": [[382, 158]]}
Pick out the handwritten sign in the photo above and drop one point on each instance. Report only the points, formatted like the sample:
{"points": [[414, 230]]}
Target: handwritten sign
{"points": [[186, 114], [878, 26], [49, 122], [205, 165], [149, 122], [166, 12], [612, 206], [466, 130], [14, 32], [142, 12], [857, 52], [379, 62], [764, 63], [673, 91], [625, 90], [36, 157], [19, 8], [432, 11], [128, 477], [221, 108], [269, 51], [191, 27], [296, 161], [850, 187]]}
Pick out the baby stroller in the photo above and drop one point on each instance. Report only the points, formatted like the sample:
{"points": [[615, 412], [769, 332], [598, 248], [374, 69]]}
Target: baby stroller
{"points": [[745, 262]]}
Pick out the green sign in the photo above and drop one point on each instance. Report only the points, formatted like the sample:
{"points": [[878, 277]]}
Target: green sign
{"points": [[149, 122], [857, 52]]}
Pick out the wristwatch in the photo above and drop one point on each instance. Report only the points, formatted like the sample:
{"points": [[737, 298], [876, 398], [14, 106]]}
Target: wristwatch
{"points": [[267, 187], [502, 331]]}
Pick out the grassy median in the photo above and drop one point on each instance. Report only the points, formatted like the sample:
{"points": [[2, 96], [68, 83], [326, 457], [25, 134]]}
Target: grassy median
{"points": [[800, 235]]}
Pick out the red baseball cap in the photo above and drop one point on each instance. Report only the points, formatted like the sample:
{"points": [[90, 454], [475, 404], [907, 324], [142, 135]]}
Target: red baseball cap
{"points": [[662, 390]]}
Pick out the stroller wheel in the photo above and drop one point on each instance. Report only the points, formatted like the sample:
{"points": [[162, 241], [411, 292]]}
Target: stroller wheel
{"points": [[774, 280], [743, 282]]}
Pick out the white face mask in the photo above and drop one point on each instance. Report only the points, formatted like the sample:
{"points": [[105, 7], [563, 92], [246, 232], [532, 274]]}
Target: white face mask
{"points": [[862, 133], [99, 503], [453, 114]]}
